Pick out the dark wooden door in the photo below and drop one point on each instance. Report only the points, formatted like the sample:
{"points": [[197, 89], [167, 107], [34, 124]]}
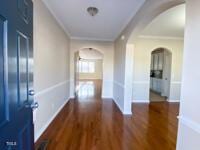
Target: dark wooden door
{"points": [[16, 75]]}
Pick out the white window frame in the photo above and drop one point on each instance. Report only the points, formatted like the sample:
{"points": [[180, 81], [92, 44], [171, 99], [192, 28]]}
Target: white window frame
{"points": [[86, 66]]}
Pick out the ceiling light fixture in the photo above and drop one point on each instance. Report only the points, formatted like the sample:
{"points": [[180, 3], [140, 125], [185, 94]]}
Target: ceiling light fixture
{"points": [[92, 11], [122, 37]]}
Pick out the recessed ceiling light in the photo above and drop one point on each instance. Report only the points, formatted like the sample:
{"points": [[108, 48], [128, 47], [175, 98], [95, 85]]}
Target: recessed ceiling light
{"points": [[92, 11]]}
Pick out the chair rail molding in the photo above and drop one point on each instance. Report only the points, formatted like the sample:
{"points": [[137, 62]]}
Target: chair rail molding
{"points": [[190, 123]]}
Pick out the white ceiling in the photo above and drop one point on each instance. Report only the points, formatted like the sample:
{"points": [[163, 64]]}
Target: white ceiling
{"points": [[93, 54], [171, 23], [112, 18]]}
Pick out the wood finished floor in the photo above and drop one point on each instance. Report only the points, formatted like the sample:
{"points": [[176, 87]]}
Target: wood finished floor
{"points": [[90, 123]]}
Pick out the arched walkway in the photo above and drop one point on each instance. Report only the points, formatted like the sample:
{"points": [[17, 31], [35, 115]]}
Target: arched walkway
{"points": [[137, 25], [88, 67], [160, 74]]}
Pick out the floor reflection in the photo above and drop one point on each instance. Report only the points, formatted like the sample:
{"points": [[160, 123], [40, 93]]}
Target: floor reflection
{"points": [[88, 89]]}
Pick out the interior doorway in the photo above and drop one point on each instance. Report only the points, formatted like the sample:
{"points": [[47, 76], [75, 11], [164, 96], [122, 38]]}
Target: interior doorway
{"points": [[88, 71], [160, 74]]}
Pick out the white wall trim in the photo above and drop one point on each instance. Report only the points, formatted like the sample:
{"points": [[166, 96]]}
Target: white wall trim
{"points": [[127, 113], [51, 88], [106, 97], [118, 106], [72, 97], [173, 100], [160, 37], [140, 101], [91, 39], [190, 123], [37, 136], [119, 84], [122, 111]]}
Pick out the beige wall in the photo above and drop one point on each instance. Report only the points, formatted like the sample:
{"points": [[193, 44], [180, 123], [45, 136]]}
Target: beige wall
{"points": [[98, 71], [142, 62], [51, 66], [107, 49]]}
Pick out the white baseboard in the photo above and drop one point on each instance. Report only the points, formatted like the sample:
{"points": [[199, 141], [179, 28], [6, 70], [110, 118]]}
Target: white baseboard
{"points": [[140, 101], [124, 112], [127, 112], [50, 120], [173, 100], [71, 97], [107, 97], [118, 106], [190, 123]]}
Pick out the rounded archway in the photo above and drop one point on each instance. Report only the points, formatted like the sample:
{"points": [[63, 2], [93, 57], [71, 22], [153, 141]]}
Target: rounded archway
{"points": [[90, 54], [160, 74], [146, 41], [147, 14], [88, 67], [107, 52]]}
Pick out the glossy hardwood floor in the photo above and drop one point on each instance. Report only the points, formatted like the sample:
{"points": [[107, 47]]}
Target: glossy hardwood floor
{"points": [[90, 123]]}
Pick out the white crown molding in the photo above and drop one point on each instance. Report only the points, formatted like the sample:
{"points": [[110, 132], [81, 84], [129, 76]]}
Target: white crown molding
{"points": [[56, 18], [91, 39], [190, 123], [88, 38], [160, 37]]}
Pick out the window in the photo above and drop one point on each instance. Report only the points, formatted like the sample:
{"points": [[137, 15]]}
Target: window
{"points": [[86, 67]]}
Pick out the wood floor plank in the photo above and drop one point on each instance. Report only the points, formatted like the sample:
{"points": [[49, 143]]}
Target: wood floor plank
{"points": [[91, 123]]}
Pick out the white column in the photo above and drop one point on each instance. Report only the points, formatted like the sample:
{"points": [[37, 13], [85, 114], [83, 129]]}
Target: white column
{"points": [[128, 84], [189, 120]]}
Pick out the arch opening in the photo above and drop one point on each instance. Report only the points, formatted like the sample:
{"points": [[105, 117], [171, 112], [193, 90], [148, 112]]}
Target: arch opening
{"points": [[88, 70], [160, 74], [164, 32]]}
